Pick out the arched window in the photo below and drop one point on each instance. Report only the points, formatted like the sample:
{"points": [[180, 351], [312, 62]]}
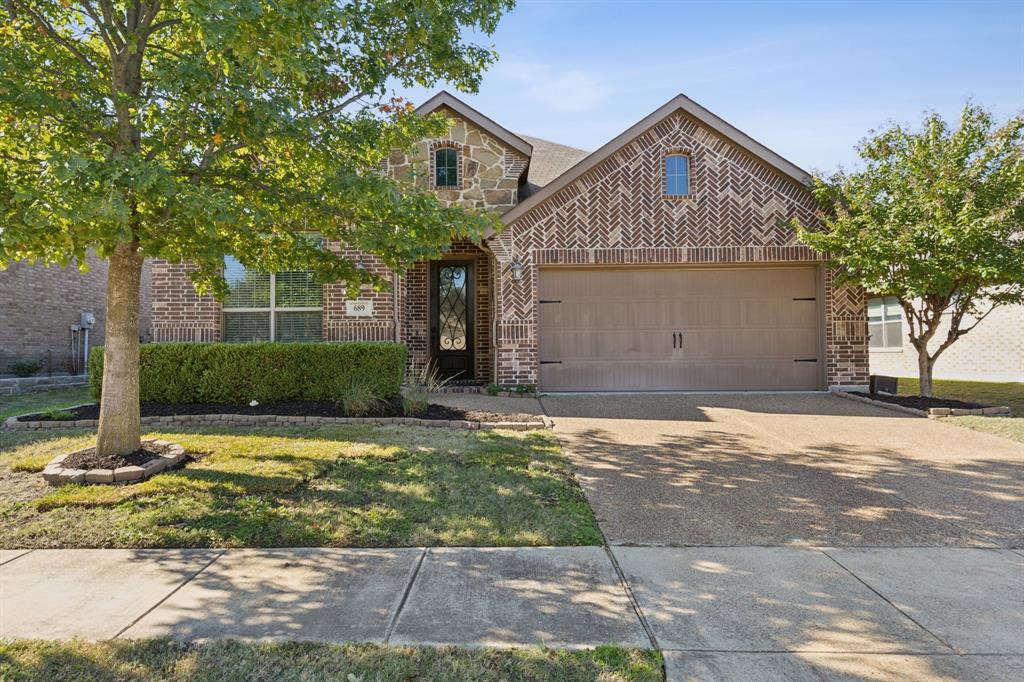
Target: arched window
{"points": [[677, 175], [446, 167]]}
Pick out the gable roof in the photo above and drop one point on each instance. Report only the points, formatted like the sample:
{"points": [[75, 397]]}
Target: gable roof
{"points": [[678, 103], [550, 160], [446, 99]]}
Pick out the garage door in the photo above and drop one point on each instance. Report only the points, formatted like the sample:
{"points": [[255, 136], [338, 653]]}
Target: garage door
{"points": [[679, 329]]}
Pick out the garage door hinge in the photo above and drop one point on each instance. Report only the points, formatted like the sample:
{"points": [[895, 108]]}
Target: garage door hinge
{"points": [[549, 301], [806, 360], [806, 298], [550, 362]]}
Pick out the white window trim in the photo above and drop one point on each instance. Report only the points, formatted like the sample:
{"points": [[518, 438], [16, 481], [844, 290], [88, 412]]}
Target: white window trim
{"points": [[881, 323], [274, 308]]}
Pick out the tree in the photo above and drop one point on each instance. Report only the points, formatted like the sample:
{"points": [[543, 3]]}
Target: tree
{"points": [[191, 129], [936, 219]]}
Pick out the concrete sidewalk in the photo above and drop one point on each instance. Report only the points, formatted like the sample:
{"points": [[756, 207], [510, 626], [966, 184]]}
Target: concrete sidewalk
{"points": [[715, 612]]}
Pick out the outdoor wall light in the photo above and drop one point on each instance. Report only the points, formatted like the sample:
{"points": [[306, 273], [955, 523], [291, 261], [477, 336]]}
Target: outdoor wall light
{"points": [[517, 271]]}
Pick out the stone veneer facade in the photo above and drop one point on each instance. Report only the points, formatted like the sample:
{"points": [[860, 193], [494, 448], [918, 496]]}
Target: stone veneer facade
{"points": [[613, 214]]}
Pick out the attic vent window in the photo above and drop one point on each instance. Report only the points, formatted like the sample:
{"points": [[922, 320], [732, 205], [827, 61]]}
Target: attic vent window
{"points": [[677, 175], [446, 167]]}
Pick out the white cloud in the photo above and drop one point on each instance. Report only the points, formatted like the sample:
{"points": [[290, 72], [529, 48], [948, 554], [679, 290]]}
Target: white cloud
{"points": [[557, 89]]}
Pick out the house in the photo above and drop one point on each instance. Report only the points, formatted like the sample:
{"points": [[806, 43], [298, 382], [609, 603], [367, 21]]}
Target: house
{"points": [[992, 351], [661, 261], [40, 305]]}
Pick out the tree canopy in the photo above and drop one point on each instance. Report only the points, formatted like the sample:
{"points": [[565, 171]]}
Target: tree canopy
{"points": [[199, 128], [935, 218], [188, 130]]}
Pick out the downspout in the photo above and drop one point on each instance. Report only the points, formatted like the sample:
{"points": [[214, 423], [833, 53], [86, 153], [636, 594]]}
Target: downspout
{"points": [[395, 283]]}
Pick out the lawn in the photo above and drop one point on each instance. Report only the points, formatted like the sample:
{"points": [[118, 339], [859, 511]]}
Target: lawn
{"points": [[145, 660], [331, 486], [25, 403], [1010, 394]]}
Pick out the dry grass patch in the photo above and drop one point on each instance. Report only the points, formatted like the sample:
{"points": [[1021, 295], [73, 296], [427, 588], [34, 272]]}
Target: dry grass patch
{"points": [[331, 486]]}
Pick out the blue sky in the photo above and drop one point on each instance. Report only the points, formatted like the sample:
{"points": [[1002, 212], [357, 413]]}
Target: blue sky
{"points": [[807, 79]]}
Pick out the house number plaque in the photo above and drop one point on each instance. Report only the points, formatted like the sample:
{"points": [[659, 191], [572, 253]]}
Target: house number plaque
{"points": [[359, 308]]}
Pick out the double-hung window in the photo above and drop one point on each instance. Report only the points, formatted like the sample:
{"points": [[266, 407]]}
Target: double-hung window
{"points": [[885, 323], [263, 306]]}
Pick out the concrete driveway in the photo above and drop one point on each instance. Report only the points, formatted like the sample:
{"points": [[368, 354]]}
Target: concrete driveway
{"points": [[787, 469]]}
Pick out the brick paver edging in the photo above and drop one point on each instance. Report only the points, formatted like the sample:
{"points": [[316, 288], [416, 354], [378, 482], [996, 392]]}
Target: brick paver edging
{"points": [[276, 420], [56, 473], [932, 412]]}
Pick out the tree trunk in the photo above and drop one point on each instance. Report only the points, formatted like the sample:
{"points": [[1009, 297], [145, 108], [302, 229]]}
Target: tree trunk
{"points": [[924, 372], [120, 430]]}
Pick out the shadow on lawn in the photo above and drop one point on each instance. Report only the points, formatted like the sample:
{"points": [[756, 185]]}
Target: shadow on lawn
{"points": [[326, 486]]}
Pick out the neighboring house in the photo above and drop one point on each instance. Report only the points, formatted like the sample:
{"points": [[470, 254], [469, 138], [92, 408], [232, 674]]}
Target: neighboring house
{"points": [[992, 351], [663, 260], [39, 305]]}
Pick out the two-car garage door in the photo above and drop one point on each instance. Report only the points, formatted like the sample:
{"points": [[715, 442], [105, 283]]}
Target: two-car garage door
{"points": [[651, 328]]}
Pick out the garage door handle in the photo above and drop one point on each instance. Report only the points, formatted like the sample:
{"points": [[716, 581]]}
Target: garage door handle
{"points": [[673, 340]]}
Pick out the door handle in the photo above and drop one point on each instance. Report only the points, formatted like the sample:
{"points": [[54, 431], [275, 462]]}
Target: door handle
{"points": [[673, 340]]}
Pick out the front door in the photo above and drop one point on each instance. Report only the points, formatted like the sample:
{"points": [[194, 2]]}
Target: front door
{"points": [[451, 318]]}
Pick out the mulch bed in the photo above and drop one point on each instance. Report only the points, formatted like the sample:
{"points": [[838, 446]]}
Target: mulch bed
{"points": [[88, 459], [919, 403], [301, 408]]}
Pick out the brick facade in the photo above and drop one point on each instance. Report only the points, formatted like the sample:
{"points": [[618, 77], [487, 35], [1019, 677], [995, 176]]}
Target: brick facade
{"points": [[179, 313], [39, 304], [616, 213], [993, 351], [489, 179]]}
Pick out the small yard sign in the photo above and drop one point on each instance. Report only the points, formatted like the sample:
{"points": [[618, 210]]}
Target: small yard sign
{"points": [[359, 308]]}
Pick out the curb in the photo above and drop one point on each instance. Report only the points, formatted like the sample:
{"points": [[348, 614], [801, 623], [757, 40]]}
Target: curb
{"points": [[13, 424]]}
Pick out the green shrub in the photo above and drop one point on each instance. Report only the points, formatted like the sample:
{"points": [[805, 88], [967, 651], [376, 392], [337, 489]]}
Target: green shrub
{"points": [[493, 389], [27, 368], [267, 372], [58, 415], [358, 395]]}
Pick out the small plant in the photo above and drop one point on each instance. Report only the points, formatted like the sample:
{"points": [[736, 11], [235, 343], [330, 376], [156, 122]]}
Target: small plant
{"points": [[358, 396], [525, 389], [56, 415], [424, 381], [26, 369], [414, 401], [493, 389]]}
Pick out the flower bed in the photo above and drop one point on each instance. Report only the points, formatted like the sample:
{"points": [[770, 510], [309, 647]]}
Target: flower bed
{"points": [[85, 466], [927, 407], [295, 412]]}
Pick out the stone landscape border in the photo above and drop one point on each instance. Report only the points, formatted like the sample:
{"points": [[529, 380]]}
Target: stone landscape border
{"points": [[56, 474], [18, 385], [931, 412], [277, 420]]}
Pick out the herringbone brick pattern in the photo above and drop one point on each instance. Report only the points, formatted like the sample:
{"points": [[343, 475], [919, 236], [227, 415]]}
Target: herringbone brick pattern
{"points": [[738, 212]]}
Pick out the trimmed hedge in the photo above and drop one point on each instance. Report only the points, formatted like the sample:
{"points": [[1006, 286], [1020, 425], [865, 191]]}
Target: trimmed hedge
{"points": [[268, 372]]}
